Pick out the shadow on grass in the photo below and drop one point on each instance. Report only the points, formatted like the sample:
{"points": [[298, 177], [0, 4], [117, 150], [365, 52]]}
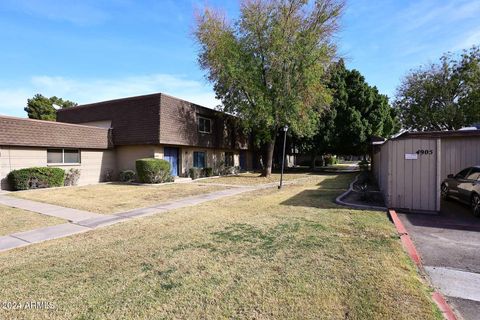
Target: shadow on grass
{"points": [[324, 196]]}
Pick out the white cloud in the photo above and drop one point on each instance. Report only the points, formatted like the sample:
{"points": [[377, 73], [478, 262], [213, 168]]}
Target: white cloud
{"points": [[13, 100]]}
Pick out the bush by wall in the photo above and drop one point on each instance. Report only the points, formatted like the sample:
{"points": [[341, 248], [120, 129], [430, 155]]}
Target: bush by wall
{"points": [[71, 177], [208, 172], [127, 175], [230, 170], [37, 177], [151, 170], [330, 160], [195, 173]]}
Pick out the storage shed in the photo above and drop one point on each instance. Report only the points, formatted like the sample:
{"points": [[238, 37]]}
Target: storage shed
{"points": [[409, 168]]}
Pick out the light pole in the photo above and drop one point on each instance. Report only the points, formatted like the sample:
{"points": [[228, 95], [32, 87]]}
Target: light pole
{"points": [[285, 129]]}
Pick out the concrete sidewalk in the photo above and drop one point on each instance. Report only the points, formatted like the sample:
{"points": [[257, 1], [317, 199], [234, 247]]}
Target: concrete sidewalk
{"points": [[69, 214], [83, 221]]}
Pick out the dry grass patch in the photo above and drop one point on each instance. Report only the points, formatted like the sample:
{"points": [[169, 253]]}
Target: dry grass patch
{"points": [[272, 254], [114, 197], [255, 178], [14, 220]]}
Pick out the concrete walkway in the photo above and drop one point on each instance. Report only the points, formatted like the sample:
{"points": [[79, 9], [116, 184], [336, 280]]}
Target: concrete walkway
{"points": [[83, 221], [72, 215]]}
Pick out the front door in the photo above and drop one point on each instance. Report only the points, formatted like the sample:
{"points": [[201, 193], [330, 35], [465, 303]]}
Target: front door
{"points": [[171, 155], [243, 160]]}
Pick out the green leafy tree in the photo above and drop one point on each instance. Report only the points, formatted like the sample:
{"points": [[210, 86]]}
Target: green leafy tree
{"points": [[43, 108], [322, 142], [361, 111], [267, 66], [357, 112], [441, 96]]}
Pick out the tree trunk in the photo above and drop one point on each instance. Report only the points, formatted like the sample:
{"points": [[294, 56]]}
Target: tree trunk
{"points": [[314, 160], [267, 169]]}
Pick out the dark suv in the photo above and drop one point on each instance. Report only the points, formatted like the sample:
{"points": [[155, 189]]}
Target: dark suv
{"points": [[464, 187]]}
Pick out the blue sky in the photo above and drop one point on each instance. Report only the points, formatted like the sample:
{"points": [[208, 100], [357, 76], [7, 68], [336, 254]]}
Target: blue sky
{"points": [[94, 50]]}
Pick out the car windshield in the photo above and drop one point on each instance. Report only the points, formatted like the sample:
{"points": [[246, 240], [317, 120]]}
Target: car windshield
{"points": [[462, 174], [474, 174]]}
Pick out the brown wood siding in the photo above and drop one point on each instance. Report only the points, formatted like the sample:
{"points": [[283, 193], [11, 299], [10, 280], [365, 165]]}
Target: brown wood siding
{"points": [[134, 120], [179, 126]]}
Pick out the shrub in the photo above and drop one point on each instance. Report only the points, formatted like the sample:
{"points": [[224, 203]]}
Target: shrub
{"points": [[208, 172], [219, 167], [37, 177], [330, 160], [230, 171], [364, 165], [127, 175], [71, 177], [195, 173], [151, 170], [108, 175]]}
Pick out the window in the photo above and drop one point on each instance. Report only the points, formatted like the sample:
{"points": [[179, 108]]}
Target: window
{"points": [[474, 174], [65, 156], [199, 159], [229, 159], [462, 174], [204, 125]]}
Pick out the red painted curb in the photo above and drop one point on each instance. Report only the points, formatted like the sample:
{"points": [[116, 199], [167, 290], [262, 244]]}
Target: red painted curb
{"points": [[406, 241], [443, 306], [415, 256]]}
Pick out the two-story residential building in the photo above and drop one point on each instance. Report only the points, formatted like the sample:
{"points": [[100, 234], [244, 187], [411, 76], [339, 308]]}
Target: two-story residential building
{"points": [[156, 125]]}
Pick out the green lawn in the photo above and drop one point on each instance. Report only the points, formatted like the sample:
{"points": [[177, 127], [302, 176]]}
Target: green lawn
{"points": [[114, 197], [268, 254], [15, 220]]}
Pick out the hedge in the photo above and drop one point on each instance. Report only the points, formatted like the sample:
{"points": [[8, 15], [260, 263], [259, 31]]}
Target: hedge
{"points": [[195, 173], [208, 171], [151, 170], [37, 177], [127, 176]]}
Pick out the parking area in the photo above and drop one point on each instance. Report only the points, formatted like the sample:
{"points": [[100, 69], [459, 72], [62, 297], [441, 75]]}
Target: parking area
{"points": [[449, 244]]}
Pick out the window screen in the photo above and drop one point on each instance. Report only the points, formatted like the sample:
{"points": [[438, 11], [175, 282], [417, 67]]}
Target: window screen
{"points": [[204, 125], [71, 156], [54, 156], [67, 156], [199, 159]]}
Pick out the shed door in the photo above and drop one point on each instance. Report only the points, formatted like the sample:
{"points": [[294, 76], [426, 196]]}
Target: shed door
{"points": [[171, 155]]}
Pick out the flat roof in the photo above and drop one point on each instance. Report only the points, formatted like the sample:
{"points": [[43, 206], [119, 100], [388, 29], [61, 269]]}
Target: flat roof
{"points": [[437, 134]]}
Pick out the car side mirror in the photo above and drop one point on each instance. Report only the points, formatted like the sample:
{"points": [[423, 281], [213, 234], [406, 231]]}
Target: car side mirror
{"points": [[450, 176]]}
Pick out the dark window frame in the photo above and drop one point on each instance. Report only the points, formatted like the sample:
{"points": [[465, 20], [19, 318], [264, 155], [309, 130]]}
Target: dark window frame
{"points": [[78, 151], [202, 121], [196, 159]]}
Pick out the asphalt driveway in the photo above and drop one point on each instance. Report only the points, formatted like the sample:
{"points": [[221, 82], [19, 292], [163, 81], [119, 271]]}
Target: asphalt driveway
{"points": [[449, 244]]}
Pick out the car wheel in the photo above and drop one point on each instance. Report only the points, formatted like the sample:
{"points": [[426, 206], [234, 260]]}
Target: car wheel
{"points": [[476, 205], [444, 192]]}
